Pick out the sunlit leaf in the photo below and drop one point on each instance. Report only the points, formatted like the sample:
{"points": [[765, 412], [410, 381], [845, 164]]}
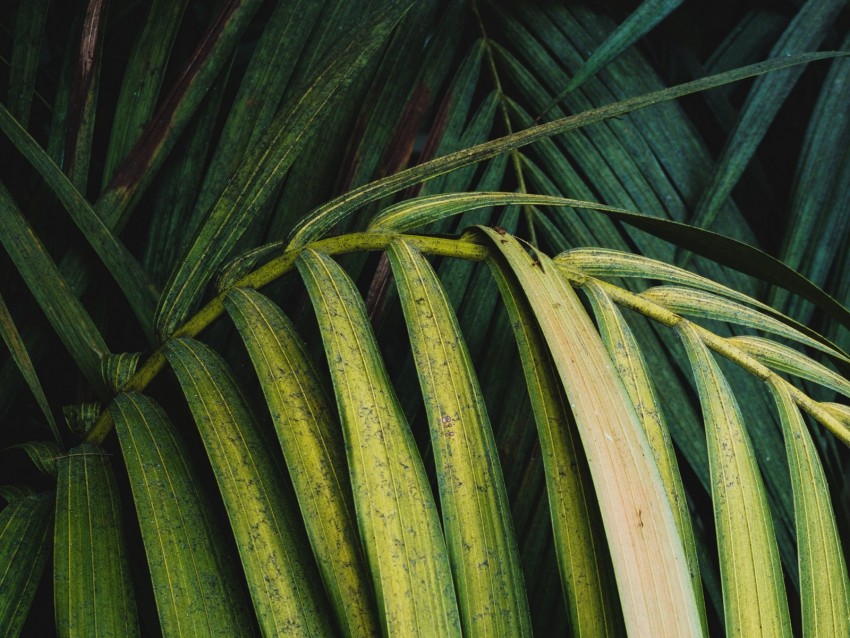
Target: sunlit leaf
{"points": [[284, 587], [313, 448], [395, 508], [754, 602], [647, 552]]}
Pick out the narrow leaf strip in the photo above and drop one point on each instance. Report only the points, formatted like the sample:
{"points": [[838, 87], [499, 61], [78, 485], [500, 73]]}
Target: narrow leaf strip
{"points": [[194, 582], [142, 79], [649, 560], [27, 44], [122, 266], [476, 515], [24, 553], [416, 212], [316, 224], [632, 369], [395, 508], [604, 262], [286, 593], [314, 451], [780, 357], [266, 164], [18, 350], [63, 310], [92, 591], [824, 587], [695, 303], [579, 536], [638, 24], [753, 587]]}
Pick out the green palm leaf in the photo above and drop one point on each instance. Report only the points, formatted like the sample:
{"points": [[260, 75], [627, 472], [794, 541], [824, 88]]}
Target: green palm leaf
{"points": [[285, 590], [395, 509]]}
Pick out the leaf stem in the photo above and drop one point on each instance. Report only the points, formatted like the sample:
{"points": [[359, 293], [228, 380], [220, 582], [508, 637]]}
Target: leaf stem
{"points": [[462, 248]]}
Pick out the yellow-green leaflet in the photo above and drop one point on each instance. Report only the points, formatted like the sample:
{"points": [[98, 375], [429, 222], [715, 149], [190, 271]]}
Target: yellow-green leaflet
{"points": [[604, 262], [286, 591], [780, 357], [649, 560], [824, 588], [753, 588], [194, 580], [476, 515], [315, 455], [419, 211], [583, 562], [396, 513], [696, 303], [92, 589], [631, 368], [25, 525]]}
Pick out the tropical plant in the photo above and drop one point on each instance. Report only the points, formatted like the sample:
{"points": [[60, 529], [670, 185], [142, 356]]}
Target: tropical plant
{"points": [[286, 268]]}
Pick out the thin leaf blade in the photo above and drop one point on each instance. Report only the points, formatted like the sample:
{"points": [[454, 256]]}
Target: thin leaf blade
{"points": [[476, 516], [92, 590], [753, 588], [824, 586], [194, 583], [25, 526], [284, 588], [647, 552], [395, 509], [314, 451]]}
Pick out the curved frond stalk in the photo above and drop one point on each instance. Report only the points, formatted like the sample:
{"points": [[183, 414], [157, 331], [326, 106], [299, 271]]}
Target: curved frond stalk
{"points": [[649, 560], [312, 445], [287, 594], [264, 167], [395, 508], [754, 602], [92, 590], [476, 516], [194, 581], [321, 220]]}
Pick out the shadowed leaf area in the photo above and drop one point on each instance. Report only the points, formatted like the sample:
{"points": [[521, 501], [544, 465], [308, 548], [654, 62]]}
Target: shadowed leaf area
{"points": [[424, 318]]}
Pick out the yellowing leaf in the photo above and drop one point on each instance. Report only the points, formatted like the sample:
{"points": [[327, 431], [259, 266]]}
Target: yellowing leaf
{"points": [[656, 591], [754, 601], [396, 513]]}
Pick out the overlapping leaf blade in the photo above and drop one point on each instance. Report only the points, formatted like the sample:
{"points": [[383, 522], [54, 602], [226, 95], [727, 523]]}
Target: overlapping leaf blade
{"points": [[649, 561], [92, 589], [395, 509], [266, 164], [63, 310], [196, 588], [476, 518], [824, 586], [25, 525], [284, 587], [754, 602], [626, 355], [583, 562], [314, 451]]}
